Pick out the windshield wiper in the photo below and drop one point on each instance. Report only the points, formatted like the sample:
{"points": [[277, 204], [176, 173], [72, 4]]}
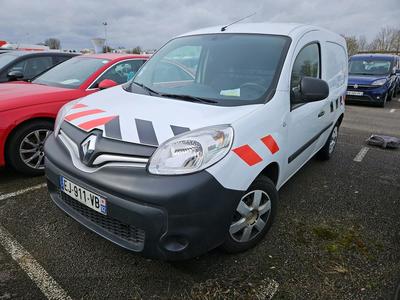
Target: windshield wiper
{"points": [[149, 90], [189, 98]]}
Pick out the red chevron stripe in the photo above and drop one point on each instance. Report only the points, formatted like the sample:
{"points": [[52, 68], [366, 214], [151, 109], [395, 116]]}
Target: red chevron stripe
{"points": [[80, 114], [94, 123], [248, 155], [79, 105], [269, 141]]}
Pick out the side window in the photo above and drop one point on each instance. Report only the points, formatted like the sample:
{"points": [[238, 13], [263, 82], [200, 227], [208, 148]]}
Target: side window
{"points": [[121, 72], [307, 63], [33, 66], [336, 65], [59, 59]]}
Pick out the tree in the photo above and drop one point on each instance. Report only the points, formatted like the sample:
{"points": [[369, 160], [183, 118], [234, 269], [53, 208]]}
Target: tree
{"points": [[53, 43], [384, 40], [362, 43], [137, 50], [107, 49], [352, 45]]}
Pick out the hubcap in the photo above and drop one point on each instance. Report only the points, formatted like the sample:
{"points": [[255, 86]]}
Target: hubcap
{"points": [[332, 143], [31, 149], [251, 216]]}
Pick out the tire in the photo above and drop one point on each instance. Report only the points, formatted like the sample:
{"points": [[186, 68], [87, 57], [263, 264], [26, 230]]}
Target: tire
{"points": [[248, 220], [384, 100], [391, 95], [328, 149], [28, 138]]}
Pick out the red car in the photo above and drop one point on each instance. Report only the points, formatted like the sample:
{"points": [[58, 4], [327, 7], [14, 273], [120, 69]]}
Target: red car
{"points": [[28, 109]]}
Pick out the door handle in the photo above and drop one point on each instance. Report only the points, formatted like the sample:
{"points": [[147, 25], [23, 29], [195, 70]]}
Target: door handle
{"points": [[321, 113]]}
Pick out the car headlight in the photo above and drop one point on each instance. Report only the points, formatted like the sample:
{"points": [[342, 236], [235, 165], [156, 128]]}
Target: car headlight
{"points": [[61, 115], [379, 82], [193, 151]]}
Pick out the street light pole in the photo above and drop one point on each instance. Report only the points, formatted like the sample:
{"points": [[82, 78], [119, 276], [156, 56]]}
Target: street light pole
{"points": [[105, 35]]}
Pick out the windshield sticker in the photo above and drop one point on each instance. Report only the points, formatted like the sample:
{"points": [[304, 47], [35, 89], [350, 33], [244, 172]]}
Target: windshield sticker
{"points": [[230, 93], [105, 61]]}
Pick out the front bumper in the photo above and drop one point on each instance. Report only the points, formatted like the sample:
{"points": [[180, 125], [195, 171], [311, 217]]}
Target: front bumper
{"points": [[373, 95], [167, 217]]}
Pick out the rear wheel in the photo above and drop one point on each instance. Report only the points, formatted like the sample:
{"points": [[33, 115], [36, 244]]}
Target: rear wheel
{"points": [[253, 216], [327, 150], [25, 151]]}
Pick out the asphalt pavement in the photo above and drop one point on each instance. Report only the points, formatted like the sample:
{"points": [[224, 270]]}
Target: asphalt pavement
{"points": [[336, 237]]}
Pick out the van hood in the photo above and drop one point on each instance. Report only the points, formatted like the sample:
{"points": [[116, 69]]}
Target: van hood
{"points": [[364, 80], [147, 120], [22, 94]]}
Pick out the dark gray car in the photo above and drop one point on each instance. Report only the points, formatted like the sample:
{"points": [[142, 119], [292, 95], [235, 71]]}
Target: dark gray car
{"points": [[24, 65]]}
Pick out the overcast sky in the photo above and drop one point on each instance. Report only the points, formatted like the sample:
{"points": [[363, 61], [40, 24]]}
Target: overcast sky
{"points": [[151, 23]]}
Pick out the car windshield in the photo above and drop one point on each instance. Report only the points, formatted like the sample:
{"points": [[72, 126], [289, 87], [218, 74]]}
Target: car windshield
{"points": [[227, 69], [369, 67], [6, 59], [71, 73]]}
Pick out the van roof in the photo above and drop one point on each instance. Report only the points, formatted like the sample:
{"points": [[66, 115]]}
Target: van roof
{"points": [[374, 55], [287, 29]]}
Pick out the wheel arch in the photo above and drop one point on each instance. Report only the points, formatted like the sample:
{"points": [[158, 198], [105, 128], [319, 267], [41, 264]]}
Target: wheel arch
{"points": [[19, 125], [340, 119], [272, 172]]}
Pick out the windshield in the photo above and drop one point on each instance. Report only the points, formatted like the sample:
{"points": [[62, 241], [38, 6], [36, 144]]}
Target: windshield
{"points": [[71, 73], [369, 66], [229, 69], [6, 59]]}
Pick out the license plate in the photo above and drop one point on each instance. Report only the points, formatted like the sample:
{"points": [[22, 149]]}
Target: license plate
{"points": [[92, 200], [354, 93]]}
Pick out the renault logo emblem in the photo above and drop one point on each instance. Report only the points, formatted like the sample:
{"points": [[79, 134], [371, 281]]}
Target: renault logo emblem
{"points": [[88, 146]]}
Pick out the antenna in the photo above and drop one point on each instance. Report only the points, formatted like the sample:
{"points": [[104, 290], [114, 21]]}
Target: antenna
{"points": [[237, 21]]}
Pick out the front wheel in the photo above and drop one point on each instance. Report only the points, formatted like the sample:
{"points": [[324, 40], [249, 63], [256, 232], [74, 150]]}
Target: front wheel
{"points": [[327, 150], [253, 216], [25, 151]]}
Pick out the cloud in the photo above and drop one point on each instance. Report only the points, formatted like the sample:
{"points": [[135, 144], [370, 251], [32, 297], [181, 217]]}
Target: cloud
{"points": [[151, 23]]}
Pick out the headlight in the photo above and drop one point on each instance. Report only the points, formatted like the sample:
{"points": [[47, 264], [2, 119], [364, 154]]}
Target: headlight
{"points": [[193, 151], [61, 115], [379, 82]]}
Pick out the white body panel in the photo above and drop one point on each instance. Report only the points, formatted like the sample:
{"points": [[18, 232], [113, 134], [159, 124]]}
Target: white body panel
{"points": [[290, 128]]}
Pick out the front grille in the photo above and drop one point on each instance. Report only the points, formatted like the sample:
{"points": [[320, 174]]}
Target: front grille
{"points": [[134, 236], [362, 87]]}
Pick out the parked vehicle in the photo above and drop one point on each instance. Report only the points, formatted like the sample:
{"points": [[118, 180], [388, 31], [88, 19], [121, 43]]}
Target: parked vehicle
{"points": [[186, 158], [25, 65], [28, 110], [373, 78]]}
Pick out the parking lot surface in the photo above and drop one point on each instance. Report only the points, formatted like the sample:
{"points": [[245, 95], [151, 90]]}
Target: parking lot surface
{"points": [[336, 237]]}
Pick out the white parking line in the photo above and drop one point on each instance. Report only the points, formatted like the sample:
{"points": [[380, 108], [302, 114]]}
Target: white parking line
{"points": [[29, 189], [392, 110], [49, 287], [359, 157]]}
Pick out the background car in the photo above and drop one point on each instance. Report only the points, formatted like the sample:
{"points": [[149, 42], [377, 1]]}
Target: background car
{"points": [[372, 78], [28, 109], [25, 65]]}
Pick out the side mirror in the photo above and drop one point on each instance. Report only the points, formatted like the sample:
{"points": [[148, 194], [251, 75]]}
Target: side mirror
{"points": [[313, 89], [15, 75], [397, 72], [106, 83]]}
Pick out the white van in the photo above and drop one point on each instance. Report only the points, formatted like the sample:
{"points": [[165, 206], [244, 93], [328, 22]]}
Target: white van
{"points": [[190, 154]]}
